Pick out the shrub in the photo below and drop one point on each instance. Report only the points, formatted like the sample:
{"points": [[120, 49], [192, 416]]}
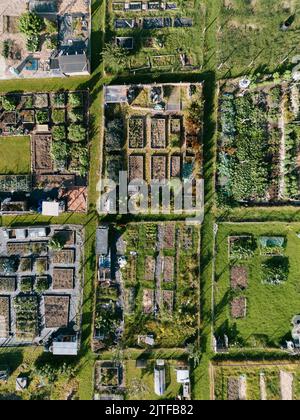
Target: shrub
{"points": [[77, 132], [59, 153], [42, 117], [26, 284], [75, 100], [42, 284], [9, 103], [114, 57], [58, 116], [56, 243], [59, 133], [275, 270], [59, 99], [50, 26], [30, 24], [6, 48], [242, 248], [33, 43], [75, 115]]}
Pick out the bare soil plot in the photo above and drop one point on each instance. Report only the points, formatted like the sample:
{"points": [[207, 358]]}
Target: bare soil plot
{"points": [[8, 284], [148, 301], [4, 316], [159, 167], [75, 199], [169, 236], [56, 311], [168, 301], [63, 278], [136, 167], [175, 166], [158, 133], [136, 132], [64, 256], [238, 307], [41, 150], [239, 277], [168, 269], [149, 268]]}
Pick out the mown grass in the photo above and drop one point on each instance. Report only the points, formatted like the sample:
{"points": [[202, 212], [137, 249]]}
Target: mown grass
{"points": [[15, 155], [270, 308]]}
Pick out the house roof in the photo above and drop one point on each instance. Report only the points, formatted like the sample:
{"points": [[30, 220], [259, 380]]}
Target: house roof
{"points": [[77, 63], [102, 241]]}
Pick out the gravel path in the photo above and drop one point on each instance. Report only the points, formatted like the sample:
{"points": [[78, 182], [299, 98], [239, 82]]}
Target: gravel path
{"points": [[286, 385]]}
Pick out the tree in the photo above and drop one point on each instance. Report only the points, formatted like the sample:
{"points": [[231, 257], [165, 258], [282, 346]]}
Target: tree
{"points": [[77, 132], [31, 24], [194, 354], [114, 57]]}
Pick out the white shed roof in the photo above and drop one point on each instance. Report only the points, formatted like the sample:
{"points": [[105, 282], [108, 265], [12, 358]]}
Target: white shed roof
{"points": [[50, 208], [37, 232], [65, 348], [183, 376]]}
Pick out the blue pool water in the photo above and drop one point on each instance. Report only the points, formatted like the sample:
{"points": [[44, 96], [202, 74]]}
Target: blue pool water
{"points": [[32, 65]]}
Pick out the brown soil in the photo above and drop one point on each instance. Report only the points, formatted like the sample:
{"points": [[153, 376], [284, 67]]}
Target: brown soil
{"points": [[239, 277], [238, 307], [63, 278], [56, 311]]}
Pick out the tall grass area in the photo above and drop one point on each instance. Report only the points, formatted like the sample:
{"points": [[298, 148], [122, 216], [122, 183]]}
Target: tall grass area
{"points": [[250, 36]]}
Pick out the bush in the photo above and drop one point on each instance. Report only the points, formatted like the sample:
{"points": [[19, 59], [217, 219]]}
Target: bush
{"points": [[9, 103], [42, 117], [59, 99], [59, 153], [31, 24], [114, 57], [76, 115], [6, 48], [33, 43], [59, 133], [75, 100], [275, 270], [50, 26], [42, 284], [77, 132], [58, 116], [26, 284]]}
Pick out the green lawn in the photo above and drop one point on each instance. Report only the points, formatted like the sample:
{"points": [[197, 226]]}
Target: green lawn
{"points": [[15, 155], [270, 308]]}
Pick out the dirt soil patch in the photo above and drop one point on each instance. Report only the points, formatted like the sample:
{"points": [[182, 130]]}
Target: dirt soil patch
{"points": [[158, 133], [238, 307], [168, 300], [8, 284], [4, 316], [64, 256], [41, 149], [168, 275], [149, 268], [148, 301], [175, 166], [159, 167], [169, 236], [239, 277], [136, 167], [56, 311], [63, 278]]}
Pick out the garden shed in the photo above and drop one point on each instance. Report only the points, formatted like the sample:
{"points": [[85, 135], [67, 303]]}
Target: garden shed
{"points": [[102, 241], [50, 208], [65, 345]]}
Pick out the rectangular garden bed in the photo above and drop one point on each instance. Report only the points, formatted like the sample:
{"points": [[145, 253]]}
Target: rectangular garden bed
{"points": [[4, 316], [56, 311], [159, 167], [63, 278], [158, 133]]}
